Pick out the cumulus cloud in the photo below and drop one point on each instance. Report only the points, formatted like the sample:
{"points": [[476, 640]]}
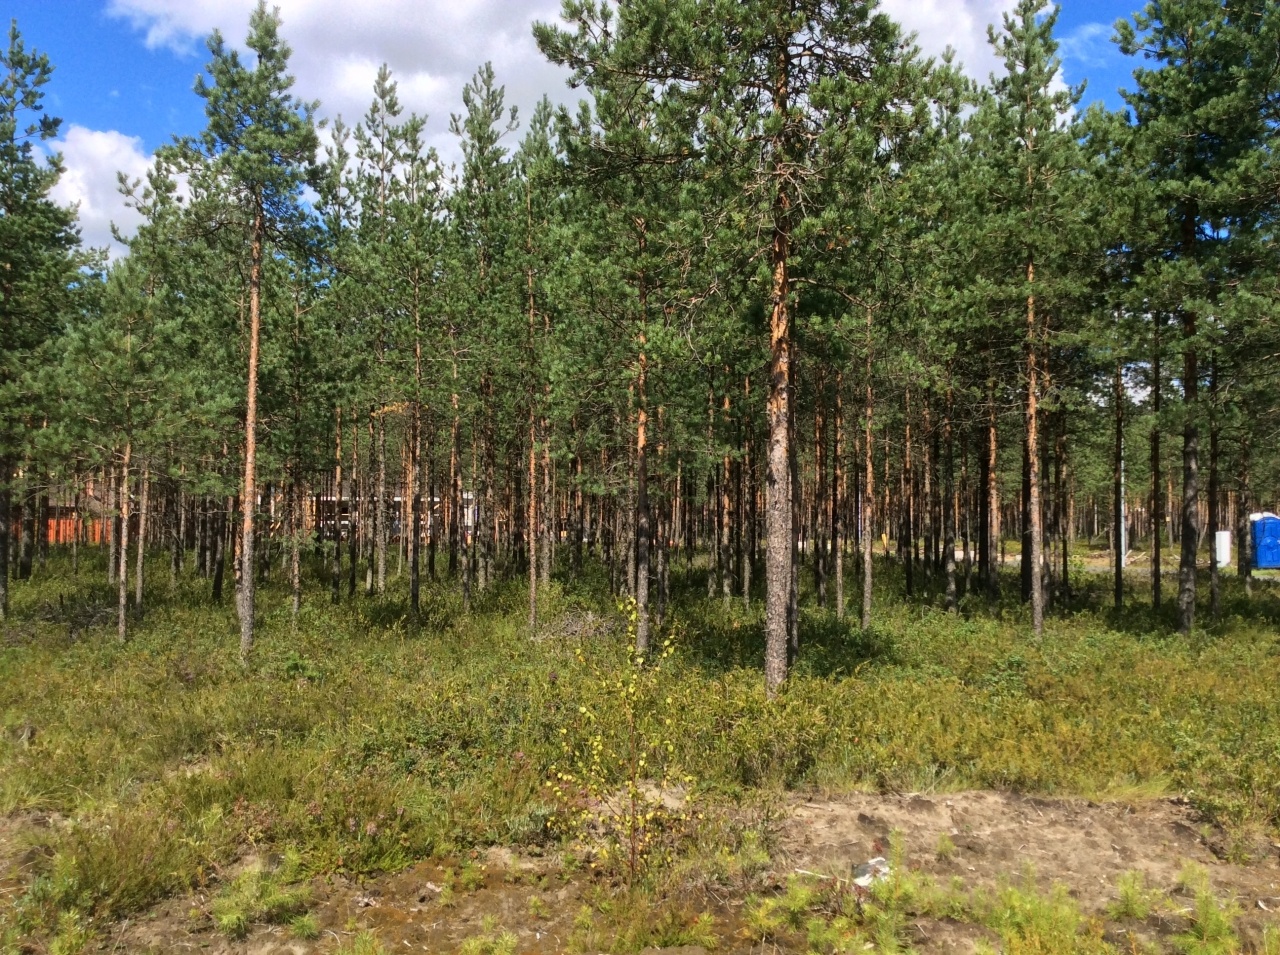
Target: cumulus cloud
{"points": [[434, 46], [959, 24], [92, 158]]}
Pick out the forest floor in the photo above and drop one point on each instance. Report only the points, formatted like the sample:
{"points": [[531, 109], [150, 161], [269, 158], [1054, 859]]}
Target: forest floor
{"points": [[1127, 873], [371, 783]]}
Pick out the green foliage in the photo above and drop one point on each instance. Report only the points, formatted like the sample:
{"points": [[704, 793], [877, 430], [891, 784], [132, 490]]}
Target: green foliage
{"points": [[617, 782], [170, 760], [304, 927], [1212, 921], [490, 941], [257, 896], [630, 921], [1029, 922], [946, 849], [1133, 899], [365, 943]]}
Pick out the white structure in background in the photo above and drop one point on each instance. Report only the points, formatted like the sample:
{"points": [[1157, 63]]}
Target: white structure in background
{"points": [[1222, 548]]}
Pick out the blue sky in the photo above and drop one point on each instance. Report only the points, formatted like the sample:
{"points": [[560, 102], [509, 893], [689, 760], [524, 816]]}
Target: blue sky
{"points": [[124, 69]]}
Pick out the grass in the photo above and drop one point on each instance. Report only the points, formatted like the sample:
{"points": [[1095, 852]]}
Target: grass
{"points": [[362, 740]]}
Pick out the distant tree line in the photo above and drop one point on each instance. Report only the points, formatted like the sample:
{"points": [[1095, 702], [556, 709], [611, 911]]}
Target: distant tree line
{"points": [[780, 296]]}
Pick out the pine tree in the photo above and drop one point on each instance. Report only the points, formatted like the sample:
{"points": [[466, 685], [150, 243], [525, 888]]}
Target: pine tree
{"points": [[1028, 154], [251, 162], [756, 85], [1204, 129], [38, 261]]}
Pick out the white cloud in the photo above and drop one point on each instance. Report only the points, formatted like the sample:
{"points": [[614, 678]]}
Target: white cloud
{"points": [[960, 24], [1088, 44], [92, 158], [434, 46]]}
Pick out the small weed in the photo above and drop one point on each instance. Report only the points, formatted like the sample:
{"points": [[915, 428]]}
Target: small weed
{"points": [[305, 927], [1133, 899], [256, 896], [1030, 923], [1212, 929], [767, 919], [365, 943], [946, 848], [298, 667], [1193, 879], [490, 941], [632, 921], [73, 934], [1270, 941], [471, 876]]}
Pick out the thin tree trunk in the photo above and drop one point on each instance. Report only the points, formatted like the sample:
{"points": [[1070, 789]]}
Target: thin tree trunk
{"points": [[357, 527], [1215, 492], [819, 503], [221, 529], [837, 499], [249, 488], [27, 528], [1157, 499], [335, 579], [1033, 458], [295, 548], [110, 523], [76, 528], [1118, 524], [455, 483], [122, 576], [380, 508], [907, 538], [1190, 450], [642, 528], [868, 490], [144, 506], [948, 506], [778, 493], [797, 523], [6, 498], [992, 493], [532, 509], [1061, 480], [726, 512], [1244, 527]]}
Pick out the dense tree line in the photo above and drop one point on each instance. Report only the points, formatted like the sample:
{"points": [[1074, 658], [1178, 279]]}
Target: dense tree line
{"points": [[781, 296]]}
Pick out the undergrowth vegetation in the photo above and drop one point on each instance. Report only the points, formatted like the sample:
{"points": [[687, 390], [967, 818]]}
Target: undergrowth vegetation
{"points": [[358, 740]]}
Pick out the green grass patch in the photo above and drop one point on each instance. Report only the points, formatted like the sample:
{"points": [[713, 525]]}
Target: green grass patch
{"points": [[362, 739]]}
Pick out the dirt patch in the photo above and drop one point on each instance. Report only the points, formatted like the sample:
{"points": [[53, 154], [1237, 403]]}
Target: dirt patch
{"points": [[420, 909], [989, 839], [997, 836], [984, 839]]}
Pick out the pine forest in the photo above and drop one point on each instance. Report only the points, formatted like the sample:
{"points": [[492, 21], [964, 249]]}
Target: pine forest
{"points": [[795, 436]]}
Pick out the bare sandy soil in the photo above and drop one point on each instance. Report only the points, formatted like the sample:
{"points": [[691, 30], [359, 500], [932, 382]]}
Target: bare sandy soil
{"points": [[998, 838]]}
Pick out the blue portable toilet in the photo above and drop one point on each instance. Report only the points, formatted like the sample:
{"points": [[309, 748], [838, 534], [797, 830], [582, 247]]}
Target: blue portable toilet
{"points": [[1266, 542]]}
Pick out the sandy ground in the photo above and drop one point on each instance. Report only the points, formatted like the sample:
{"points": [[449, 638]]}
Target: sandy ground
{"points": [[998, 838]]}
